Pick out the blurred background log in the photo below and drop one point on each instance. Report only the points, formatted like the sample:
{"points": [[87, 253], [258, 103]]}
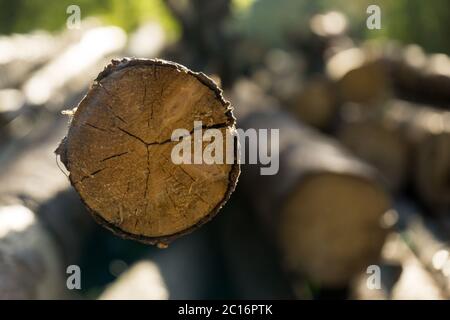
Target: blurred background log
{"points": [[406, 140], [316, 103], [323, 209], [421, 78], [37, 248], [142, 281], [403, 277], [373, 73], [260, 277], [429, 240], [306, 55]]}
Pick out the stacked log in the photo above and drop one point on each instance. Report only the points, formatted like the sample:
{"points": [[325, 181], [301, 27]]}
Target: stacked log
{"points": [[428, 239], [142, 281], [403, 139], [260, 277], [402, 276], [316, 104], [43, 227], [370, 74], [323, 207]]}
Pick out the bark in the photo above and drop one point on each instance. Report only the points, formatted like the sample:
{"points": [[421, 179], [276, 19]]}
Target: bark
{"points": [[404, 139], [316, 104], [402, 276], [260, 277], [369, 75], [119, 146], [323, 207], [43, 226], [428, 239], [142, 281]]}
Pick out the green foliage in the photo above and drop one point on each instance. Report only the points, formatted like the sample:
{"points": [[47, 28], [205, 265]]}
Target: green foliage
{"points": [[19, 16], [410, 21], [426, 23]]}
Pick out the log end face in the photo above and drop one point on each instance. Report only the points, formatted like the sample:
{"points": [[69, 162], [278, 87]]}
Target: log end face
{"points": [[331, 227], [119, 150]]}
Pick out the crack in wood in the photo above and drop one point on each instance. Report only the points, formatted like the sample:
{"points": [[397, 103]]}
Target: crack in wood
{"points": [[95, 127], [90, 175], [114, 156], [148, 174]]}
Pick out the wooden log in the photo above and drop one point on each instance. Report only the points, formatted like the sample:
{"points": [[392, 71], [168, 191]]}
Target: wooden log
{"points": [[404, 139], [119, 146], [11, 104], [68, 72], [360, 76], [22, 54], [402, 276], [373, 73], [316, 104], [30, 265], [142, 281], [420, 78], [367, 84], [322, 208], [42, 226], [383, 148], [432, 169], [37, 244], [260, 277], [428, 239], [64, 76]]}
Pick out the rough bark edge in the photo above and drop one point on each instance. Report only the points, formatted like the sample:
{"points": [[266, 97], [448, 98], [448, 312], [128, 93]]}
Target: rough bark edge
{"points": [[161, 241]]}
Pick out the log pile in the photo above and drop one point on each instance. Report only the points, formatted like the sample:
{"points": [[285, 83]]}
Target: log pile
{"points": [[320, 206], [44, 226], [409, 143], [374, 128]]}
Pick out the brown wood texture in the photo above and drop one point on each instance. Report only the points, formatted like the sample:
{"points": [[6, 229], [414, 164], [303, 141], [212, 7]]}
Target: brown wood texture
{"points": [[118, 150], [403, 140], [323, 208]]}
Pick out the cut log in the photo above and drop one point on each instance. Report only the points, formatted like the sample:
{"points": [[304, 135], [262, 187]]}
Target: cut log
{"points": [[118, 150], [402, 276], [316, 104], [367, 84], [67, 72], [323, 208], [143, 281], [372, 141], [63, 76], [429, 241], [260, 277], [422, 79], [404, 139], [37, 244], [432, 169], [42, 226], [360, 76], [372, 73], [22, 54]]}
